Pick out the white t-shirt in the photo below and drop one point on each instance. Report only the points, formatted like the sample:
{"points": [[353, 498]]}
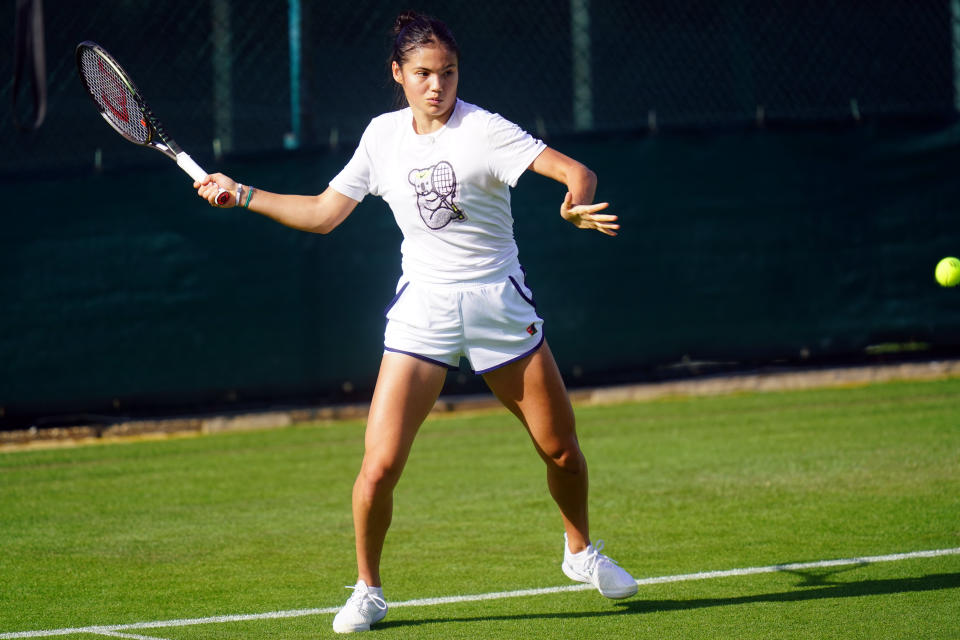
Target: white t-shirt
{"points": [[449, 190]]}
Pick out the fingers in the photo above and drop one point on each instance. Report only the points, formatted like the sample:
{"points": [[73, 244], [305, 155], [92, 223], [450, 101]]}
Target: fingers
{"points": [[209, 190], [581, 209], [603, 217], [206, 180], [568, 205], [608, 228], [584, 216], [212, 186], [604, 223]]}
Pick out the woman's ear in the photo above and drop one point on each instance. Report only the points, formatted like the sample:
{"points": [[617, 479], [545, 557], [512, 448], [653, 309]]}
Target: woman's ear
{"points": [[397, 73]]}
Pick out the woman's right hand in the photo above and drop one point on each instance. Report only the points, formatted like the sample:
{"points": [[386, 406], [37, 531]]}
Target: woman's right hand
{"points": [[209, 188]]}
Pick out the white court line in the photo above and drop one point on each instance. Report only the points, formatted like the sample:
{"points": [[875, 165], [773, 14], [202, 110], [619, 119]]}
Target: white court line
{"points": [[113, 630], [132, 636]]}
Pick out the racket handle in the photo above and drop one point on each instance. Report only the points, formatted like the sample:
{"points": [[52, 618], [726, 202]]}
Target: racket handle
{"points": [[192, 169]]}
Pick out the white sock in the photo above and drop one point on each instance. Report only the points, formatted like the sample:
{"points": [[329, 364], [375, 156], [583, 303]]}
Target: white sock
{"points": [[580, 556]]}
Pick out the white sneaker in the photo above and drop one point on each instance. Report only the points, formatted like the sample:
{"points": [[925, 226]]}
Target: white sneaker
{"points": [[592, 567], [362, 609]]}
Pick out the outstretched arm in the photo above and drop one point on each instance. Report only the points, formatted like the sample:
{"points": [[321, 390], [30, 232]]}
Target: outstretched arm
{"points": [[318, 214], [581, 182]]}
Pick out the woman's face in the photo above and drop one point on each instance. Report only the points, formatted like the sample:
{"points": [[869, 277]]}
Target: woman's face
{"points": [[429, 79]]}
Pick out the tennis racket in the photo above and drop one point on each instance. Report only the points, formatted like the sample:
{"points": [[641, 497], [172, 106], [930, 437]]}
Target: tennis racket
{"points": [[445, 186], [123, 107]]}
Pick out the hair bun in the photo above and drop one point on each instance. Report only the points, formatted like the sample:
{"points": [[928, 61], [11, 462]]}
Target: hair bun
{"points": [[403, 20]]}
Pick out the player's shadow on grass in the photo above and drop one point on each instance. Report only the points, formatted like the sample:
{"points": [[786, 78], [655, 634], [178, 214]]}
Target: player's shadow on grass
{"points": [[816, 588], [812, 588], [821, 577]]}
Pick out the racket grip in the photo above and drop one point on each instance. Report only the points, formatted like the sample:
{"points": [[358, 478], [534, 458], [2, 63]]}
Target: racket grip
{"points": [[192, 169]]}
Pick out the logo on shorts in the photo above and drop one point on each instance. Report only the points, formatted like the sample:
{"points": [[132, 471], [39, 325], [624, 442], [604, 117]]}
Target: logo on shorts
{"points": [[436, 189], [532, 329]]}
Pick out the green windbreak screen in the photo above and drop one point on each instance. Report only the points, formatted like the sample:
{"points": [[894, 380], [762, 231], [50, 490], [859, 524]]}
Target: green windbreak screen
{"points": [[123, 290]]}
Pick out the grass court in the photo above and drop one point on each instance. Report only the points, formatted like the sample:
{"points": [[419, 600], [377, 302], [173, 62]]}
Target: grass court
{"points": [[249, 534]]}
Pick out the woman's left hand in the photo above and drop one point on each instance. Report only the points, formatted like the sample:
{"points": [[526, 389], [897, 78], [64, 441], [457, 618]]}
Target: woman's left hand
{"points": [[585, 216]]}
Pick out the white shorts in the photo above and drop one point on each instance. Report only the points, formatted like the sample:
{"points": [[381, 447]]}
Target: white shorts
{"points": [[488, 324]]}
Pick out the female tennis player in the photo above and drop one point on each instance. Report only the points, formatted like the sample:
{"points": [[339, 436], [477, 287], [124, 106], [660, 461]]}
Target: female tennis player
{"points": [[445, 167]]}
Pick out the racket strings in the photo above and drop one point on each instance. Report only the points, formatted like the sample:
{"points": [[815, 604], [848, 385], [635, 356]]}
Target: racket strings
{"points": [[117, 102], [444, 181], [445, 186]]}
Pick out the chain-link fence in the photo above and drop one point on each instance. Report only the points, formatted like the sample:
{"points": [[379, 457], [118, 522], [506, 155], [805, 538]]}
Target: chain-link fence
{"points": [[239, 76]]}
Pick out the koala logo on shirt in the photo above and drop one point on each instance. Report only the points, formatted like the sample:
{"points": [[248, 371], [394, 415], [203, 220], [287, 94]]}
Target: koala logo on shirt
{"points": [[436, 189]]}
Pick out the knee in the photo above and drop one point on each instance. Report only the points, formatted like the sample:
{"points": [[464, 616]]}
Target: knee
{"points": [[567, 458], [377, 477]]}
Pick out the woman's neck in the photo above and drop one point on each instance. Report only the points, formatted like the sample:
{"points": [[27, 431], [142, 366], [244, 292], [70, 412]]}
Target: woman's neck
{"points": [[424, 124]]}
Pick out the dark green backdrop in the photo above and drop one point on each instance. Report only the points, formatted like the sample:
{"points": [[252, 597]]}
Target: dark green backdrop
{"points": [[124, 293]]}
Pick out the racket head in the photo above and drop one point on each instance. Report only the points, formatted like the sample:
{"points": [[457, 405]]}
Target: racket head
{"points": [[113, 92], [444, 180]]}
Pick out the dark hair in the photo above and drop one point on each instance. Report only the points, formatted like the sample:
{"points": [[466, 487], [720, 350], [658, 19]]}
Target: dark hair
{"points": [[413, 30]]}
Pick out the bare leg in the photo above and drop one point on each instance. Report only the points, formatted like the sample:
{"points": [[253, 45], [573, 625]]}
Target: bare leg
{"points": [[407, 389], [534, 391]]}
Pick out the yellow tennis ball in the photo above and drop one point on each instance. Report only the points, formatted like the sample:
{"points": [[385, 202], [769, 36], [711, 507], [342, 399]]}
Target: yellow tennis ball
{"points": [[948, 272]]}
